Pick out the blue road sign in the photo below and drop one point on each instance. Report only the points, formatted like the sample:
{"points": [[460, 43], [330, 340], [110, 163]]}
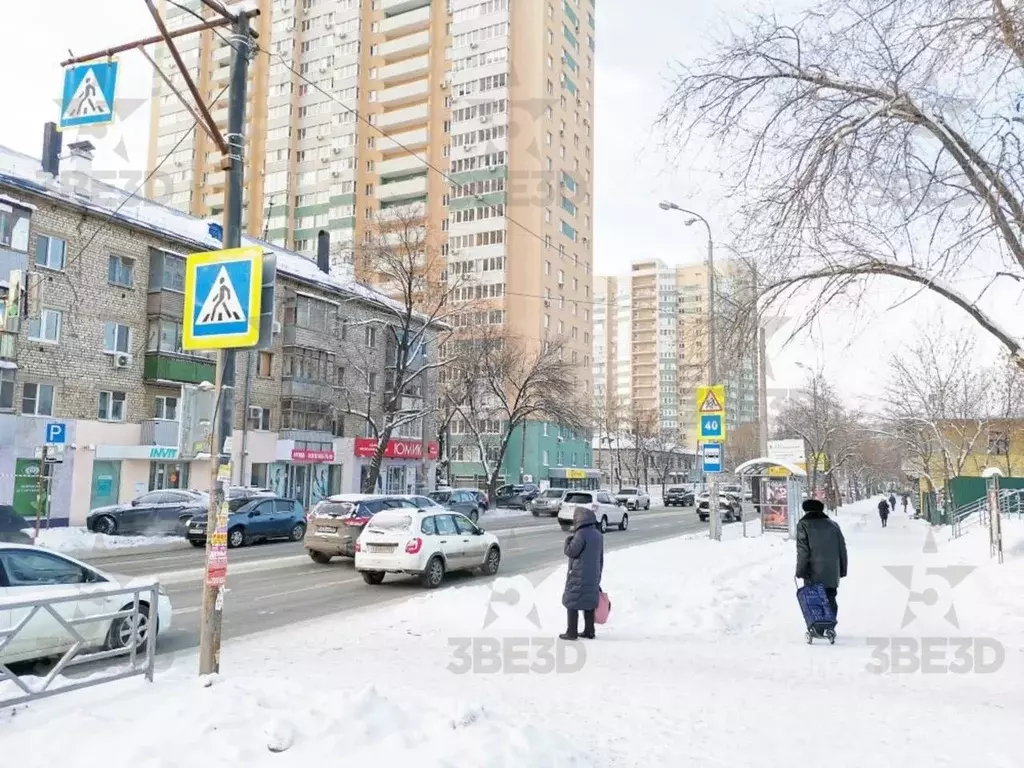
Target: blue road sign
{"points": [[222, 299], [711, 426], [88, 97], [712, 457], [56, 433]]}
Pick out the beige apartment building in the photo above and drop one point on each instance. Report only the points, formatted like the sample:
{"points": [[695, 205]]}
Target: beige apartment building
{"points": [[651, 344], [477, 114]]}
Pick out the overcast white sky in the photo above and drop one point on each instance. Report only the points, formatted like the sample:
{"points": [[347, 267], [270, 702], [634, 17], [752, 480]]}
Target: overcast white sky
{"points": [[637, 40]]}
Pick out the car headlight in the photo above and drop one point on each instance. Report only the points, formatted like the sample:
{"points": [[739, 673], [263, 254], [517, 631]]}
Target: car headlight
{"points": [[160, 590]]}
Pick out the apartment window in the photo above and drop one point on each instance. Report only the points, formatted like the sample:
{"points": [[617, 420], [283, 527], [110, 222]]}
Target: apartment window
{"points": [[166, 272], [165, 408], [371, 383], [50, 252], [6, 389], [46, 327], [14, 229], [265, 365], [121, 271], [371, 336], [111, 406], [37, 400], [259, 418], [117, 338]]}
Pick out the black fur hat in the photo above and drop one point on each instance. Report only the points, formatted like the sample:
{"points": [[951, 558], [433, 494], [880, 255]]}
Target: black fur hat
{"points": [[813, 505]]}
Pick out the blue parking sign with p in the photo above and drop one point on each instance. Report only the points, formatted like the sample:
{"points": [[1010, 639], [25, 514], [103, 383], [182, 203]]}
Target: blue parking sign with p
{"points": [[711, 425], [56, 433]]}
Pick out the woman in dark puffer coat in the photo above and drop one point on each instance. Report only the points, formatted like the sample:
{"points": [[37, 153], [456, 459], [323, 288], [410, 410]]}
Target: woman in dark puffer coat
{"points": [[585, 550]]}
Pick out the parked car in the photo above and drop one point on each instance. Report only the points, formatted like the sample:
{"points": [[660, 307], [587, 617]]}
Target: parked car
{"points": [[547, 502], [252, 519], [730, 507], [335, 523], [13, 526], [164, 512], [678, 496], [600, 502], [30, 573], [633, 498], [516, 496], [462, 500], [422, 543]]}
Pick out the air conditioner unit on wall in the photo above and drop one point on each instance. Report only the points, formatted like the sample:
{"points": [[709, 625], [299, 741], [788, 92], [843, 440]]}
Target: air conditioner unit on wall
{"points": [[121, 360]]}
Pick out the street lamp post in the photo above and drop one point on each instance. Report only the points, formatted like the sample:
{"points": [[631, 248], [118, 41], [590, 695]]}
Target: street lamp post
{"points": [[714, 514]]}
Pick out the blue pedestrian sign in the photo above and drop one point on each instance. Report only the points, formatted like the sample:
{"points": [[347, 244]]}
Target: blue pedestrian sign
{"points": [[222, 299], [56, 433], [88, 97], [712, 457], [711, 426]]}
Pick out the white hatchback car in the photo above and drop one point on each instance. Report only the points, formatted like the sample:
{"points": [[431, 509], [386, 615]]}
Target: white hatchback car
{"points": [[424, 542], [601, 503], [34, 573]]}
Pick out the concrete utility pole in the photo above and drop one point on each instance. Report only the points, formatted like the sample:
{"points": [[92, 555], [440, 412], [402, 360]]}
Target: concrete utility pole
{"points": [[221, 476]]}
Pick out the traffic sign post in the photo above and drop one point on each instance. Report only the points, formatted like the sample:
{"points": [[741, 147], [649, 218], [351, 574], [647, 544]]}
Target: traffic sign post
{"points": [[88, 97], [711, 438], [223, 290], [56, 433]]}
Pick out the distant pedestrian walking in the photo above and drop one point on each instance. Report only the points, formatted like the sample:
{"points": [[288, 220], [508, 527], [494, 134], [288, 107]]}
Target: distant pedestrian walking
{"points": [[883, 512], [585, 550], [905, 502], [892, 502]]}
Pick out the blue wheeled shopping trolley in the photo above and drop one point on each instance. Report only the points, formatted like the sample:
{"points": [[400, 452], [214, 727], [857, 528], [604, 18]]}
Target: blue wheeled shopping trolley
{"points": [[821, 622]]}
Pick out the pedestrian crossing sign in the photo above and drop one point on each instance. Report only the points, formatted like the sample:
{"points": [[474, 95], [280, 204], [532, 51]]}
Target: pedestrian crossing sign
{"points": [[222, 299], [88, 97]]}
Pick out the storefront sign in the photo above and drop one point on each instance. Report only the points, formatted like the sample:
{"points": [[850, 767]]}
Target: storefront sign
{"points": [[141, 452], [397, 449], [312, 457], [575, 474]]}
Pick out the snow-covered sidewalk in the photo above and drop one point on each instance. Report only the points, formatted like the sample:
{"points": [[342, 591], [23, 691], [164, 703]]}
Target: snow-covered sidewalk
{"points": [[703, 663], [81, 541]]}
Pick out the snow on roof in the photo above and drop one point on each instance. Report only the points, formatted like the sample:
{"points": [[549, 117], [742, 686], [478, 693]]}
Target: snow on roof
{"points": [[25, 172]]}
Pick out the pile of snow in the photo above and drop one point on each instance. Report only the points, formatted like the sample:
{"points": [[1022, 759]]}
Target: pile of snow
{"points": [[82, 540], [703, 662]]}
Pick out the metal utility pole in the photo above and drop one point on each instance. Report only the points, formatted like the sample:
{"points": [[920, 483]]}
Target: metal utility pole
{"points": [[213, 593]]}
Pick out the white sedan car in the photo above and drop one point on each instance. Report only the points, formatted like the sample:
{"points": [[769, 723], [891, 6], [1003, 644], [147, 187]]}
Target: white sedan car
{"points": [[601, 503], [34, 573], [424, 542]]}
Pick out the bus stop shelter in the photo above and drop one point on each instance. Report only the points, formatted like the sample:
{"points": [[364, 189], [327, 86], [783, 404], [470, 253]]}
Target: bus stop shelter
{"points": [[778, 490]]}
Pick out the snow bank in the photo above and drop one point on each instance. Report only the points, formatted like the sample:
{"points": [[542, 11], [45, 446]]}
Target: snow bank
{"points": [[81, 540], [702, 663]]}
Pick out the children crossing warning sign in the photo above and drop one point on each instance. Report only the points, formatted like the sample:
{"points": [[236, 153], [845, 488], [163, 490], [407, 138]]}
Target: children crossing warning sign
{"points": [[222, 299], [711, 403], [88, 97], [711, 413]]}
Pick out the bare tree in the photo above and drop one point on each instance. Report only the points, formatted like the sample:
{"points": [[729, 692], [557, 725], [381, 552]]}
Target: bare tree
{"points": [[401, 257], [510, 381], [870, 139], [1007, 397], [741, 444], [939, 400]]}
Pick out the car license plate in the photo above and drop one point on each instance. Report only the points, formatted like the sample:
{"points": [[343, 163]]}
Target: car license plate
{"points": [[327, 530], [199, 529], [381, 549]]}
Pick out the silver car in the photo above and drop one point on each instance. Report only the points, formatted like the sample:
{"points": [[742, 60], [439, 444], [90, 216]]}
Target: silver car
{"points": [[547, 502]]}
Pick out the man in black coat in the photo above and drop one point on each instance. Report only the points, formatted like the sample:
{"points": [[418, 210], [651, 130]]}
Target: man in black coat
{"points": [[820, 551], [883, 512]]}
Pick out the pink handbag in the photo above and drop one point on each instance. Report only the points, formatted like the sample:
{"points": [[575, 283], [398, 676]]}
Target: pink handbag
{"points": [[604, 607]]}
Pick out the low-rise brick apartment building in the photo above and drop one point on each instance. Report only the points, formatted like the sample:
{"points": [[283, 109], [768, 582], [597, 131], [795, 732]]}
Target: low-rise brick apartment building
{"points": [[93, 341]]}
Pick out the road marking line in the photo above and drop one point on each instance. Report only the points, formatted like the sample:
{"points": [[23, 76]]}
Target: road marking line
{"points": [[272, 595], [180, 611]]}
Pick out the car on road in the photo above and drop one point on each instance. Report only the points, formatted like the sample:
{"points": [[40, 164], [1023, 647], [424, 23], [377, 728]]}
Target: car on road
{"points": [[335, 523], [547, 502], [13, 526], [462, 500], [252, 519], [633, 498], [516, 496], [422, 543], [34, 573], [601, 503], [678, 496], [165, 512], [730, 507]]}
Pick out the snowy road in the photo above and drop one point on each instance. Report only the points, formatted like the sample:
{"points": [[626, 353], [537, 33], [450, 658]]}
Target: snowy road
{"points": [[276, 585]]}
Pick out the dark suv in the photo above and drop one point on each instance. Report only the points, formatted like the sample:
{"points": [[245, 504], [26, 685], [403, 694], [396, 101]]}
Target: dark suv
{"points": [[13, 526], [677, 496], [336, 522], [516, 496]]}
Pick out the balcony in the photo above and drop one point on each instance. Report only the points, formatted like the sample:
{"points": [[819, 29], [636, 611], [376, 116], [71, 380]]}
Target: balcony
{"points": [[401, 166], [409, 69], [394, 7], [403, 118], [307, 390], [8, 347], [404, 141], [163, 366], [404, 94], [403, 190], [294, 335], [159, 432], [403, 47], [406, 22]]}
